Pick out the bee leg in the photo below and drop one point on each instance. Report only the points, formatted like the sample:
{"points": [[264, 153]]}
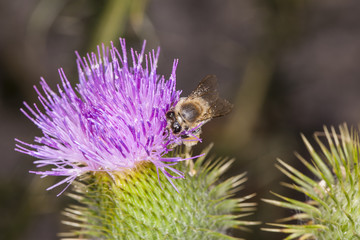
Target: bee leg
{"points": [[189, 162], [184, 136]]}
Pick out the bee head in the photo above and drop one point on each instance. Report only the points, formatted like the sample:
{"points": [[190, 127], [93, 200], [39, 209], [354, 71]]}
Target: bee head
{"points": [[170, 115], [172, 122], [176, 127]]}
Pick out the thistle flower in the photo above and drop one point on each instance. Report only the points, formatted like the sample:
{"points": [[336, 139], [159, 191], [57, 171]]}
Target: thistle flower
{"points": [[332, 210], [109, 138], [112, 121]]}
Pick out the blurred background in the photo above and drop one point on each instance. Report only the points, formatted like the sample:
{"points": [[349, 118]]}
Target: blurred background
{"points": [[289, 67]]}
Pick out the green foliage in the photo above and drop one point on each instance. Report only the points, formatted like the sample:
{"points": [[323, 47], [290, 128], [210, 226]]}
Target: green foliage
{"points": [[332, 210], [133, 205]]}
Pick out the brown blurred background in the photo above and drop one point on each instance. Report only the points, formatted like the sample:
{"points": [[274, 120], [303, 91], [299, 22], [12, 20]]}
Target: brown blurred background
{"points": [[289, 66]]}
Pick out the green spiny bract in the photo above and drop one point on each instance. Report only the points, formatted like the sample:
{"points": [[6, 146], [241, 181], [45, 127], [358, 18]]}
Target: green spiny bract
{"points": [[332, 210], [133, 205]]}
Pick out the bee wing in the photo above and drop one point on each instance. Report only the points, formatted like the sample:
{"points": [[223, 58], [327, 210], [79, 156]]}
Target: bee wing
{"points": [[220, 107], [208, 91]]}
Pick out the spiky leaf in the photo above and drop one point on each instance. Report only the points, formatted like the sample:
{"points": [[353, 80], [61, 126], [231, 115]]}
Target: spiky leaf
{"points": [[333, 209]]}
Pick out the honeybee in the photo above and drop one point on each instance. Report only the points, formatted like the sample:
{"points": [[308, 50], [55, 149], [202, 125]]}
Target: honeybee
{"points": [[190, 113]]}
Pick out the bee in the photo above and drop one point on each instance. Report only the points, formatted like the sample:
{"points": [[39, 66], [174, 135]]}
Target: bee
{"points": [[190, 113]]}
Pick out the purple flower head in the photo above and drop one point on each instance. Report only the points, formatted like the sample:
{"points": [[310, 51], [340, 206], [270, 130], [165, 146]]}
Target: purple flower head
{"points": [[112, 120]]}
